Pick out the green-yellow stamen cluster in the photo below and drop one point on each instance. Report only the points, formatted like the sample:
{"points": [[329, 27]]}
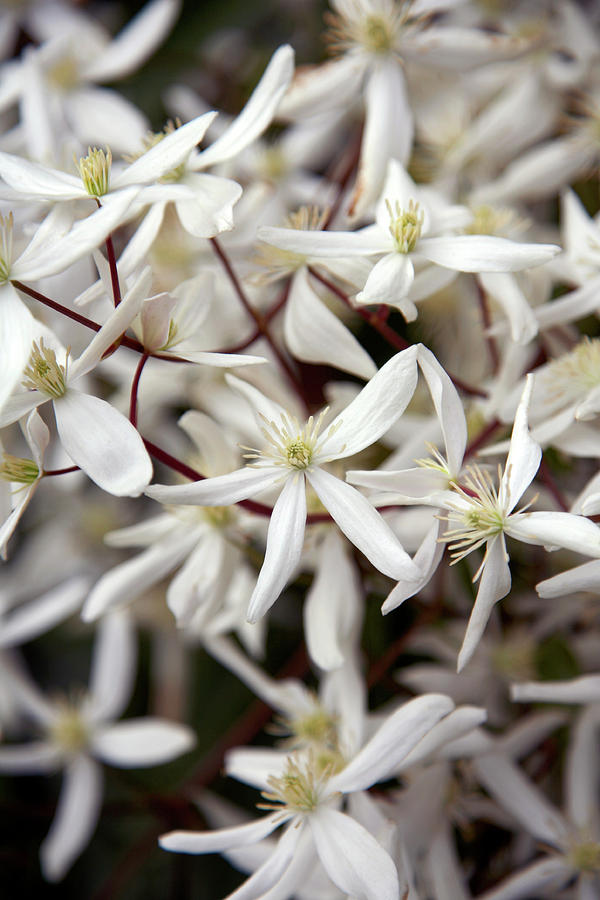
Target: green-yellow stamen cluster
{"points": [[577, 370], [18, 469], [44, 372], [290, 444], [377, 33], [151, 140], [585, 857], [405, 225], [300, 789], [483, 518], [94, 170], [69, 731]]}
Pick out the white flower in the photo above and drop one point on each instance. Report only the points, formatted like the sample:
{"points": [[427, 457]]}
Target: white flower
{"points": [[78, 734], [297, 452]]}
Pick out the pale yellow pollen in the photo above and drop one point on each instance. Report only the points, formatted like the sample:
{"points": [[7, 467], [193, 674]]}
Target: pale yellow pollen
{"points": [[289, 444], [577, 371], [585, 856], [44, 373], [405, 225], [376, 33], [94, 170], [151, 140], [301, 787], [64, 74], [483, 519], [498, 221], [69, 731]]}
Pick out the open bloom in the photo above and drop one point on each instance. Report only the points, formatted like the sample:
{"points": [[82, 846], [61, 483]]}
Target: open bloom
{"points": [[297, 453], [481, 514]]}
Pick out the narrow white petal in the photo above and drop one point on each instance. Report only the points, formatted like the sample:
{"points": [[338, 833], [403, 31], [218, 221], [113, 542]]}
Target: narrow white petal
{"points": [[170, 152], [548, 874], [389, 282], [39, 182], [17, 330], [505, 291], [333, 605], [363, 525], [556, 529], [19, 405], [127, 581], [284, 546], [485, 253], [102, 442], [494, 585], [448, 407], [104, 118], [522, 798], [352, 858], [134, 44], [81, 239], [220, 490], [576, 690], [392, 742], [266, 408], [75, 819], [524, 455], [388, 131], [457, 48], [382, 400], [427, 559], [326, 244], [138, 743], [113, 666], [255, 765], [32, 619], [268, 875], [211, 210], [574, 305], [28, 759], [258, 112], [314, 334], [582, 772], [456, 724], [222, 839]]}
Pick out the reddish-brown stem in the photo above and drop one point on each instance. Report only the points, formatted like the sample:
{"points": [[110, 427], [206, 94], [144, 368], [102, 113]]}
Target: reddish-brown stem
{"points": [[259, 320], [486, 318], [545, 475], [66, 471], [392, 337], [482, 437], [135, 384], [114, 274], [343, 178]]}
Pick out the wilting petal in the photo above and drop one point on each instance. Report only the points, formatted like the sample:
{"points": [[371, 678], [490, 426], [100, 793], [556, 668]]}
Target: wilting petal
{"points": [[352, 858], [102, 442], [284, 546]]}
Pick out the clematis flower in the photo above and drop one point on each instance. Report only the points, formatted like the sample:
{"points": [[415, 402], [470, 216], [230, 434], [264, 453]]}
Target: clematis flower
{"points": [[21, 476], [305, 793], [412, 225], [98, 438], [480, 514], [296, 453], [79, 735]]}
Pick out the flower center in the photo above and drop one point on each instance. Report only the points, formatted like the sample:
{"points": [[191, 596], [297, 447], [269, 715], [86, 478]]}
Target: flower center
{"points": [[44, 372], [94, 170], [405, 225], [375, 33], [18, 469], [586, 856], [501, 221], [575, 372], [480, 520], [151, 140], [6, 245], [69, 731], [64, 74], [301, 787], [280, 263], [289, 444]]}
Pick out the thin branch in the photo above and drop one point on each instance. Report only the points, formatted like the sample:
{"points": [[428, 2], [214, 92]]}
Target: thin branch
{"points": [[134, 389]]}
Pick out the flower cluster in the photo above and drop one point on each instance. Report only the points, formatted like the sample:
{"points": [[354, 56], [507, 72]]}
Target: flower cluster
{"points": [[265, 378]]}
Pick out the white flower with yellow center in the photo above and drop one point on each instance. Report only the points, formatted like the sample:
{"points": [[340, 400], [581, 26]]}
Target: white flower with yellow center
{"points": [[413, 226], [294, 454], [479, 513]]}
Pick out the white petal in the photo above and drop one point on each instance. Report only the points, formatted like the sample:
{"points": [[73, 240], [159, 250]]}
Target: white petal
{"points": [[75, 819], [388, 130], [317, 89], [389, 282], [269, 874], [168, 154], [113, 666], [352, 858], [326, 244], [215, 450], [127, 581], [581, 578], [284, 546], [485, 253], [102, 442], [375, 409], [258, 112], [81, 239], [494, 585], [332, 606], [556, 529], [134, 44], [582, 771], [392, 742], [27, 759], [314, 334], [29, 620], [448, 407], [548, 874], [427, 558], [211, 210], [505, 291], [363, 525], [218, 491], [452, 47], [576, 690], [17, 328], [222, 839], [104, 118], [522, 798], [39, 182], [524, 455], [142, 742], [267, 409]]}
